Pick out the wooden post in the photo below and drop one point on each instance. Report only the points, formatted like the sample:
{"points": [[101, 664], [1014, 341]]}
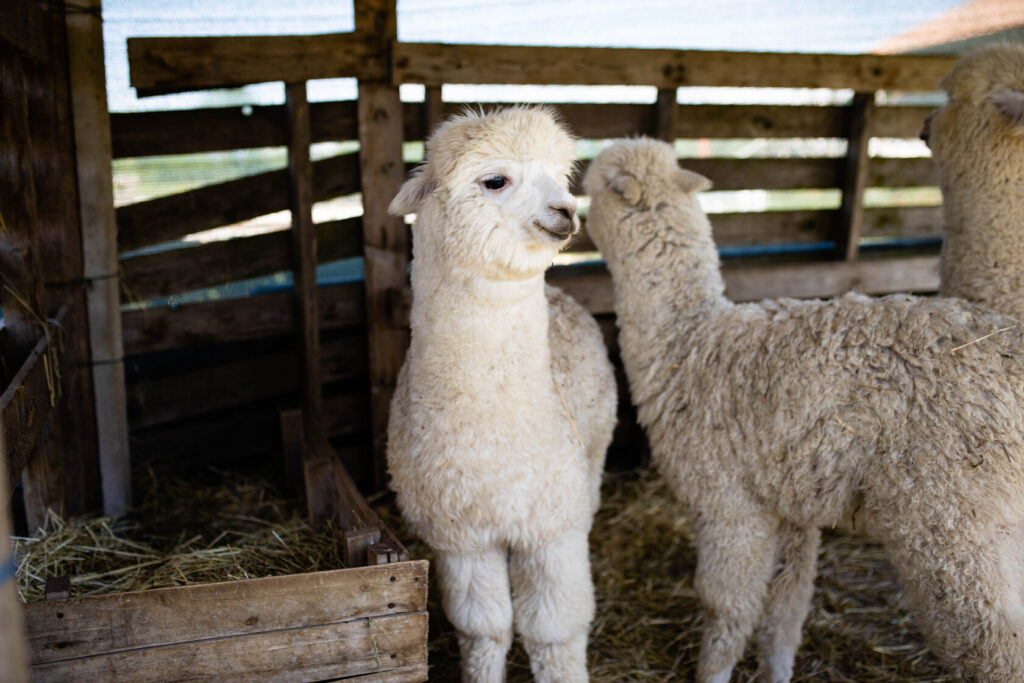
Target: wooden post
{"points": [[60, 242], [855, 177], [303, 247], [21, 279], [12, 634], [665, 108], [385, 237], [21, 290], [99, 250], [433, 109]]}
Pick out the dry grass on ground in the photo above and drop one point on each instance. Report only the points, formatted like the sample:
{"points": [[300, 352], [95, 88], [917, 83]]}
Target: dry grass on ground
{"points": [[648, 621]]}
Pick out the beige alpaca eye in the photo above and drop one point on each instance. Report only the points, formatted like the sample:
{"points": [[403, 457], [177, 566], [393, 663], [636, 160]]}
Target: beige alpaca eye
{"points": [[495, 182]]}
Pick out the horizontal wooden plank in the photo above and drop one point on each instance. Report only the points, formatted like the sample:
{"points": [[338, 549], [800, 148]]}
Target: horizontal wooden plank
{"points": [[23, 26], [83, 627], [169, 218], [799, 174], [139, 134], [786, 227], [209, 389], [265, 315], [406, 674], [592, 286], [24, 405], [227, 128], [437, 63], [829, 279], [795, 227], [175, 271], [349, 649], [162, 65]]}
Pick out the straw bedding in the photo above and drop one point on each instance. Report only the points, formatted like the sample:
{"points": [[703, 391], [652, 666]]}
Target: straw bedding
{"points": [[648, 621]]}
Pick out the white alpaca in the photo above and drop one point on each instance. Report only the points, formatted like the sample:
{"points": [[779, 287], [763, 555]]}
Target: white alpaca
{"points": [[775, 419], [977, 141], [506, 403]]}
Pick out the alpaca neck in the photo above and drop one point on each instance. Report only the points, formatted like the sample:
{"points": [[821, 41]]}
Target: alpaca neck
{"points": [[983, 249], [664, 286], [475, 333], [679, 273]]}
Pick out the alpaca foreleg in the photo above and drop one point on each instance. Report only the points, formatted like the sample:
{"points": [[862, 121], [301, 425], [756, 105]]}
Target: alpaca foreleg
{"points": [[476, 599], [788, 600], [554, 604], [735, 557]]}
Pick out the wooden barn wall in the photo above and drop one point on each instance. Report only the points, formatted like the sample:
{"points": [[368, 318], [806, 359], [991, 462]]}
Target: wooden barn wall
{"points": [[47, 401], [212, 376]]}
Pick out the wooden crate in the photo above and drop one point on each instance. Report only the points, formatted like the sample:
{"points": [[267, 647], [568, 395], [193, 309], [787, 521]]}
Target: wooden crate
{"points": [[364, 623]]}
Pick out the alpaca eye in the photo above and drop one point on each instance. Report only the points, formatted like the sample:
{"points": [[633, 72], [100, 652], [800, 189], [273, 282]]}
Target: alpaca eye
{"points": [[495, 182]]}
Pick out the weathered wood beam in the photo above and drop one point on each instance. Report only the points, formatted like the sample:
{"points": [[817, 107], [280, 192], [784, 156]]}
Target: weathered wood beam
{"points": [[592, 285], [164, 273], [224, 128], [439, 63], [665, 111], [385, 236], [169, 218], [21, 285], [303, 258], [809, 225], [68, 475], [25, 404], [855, 177], [433, 113], [152, 133], [165, 65], [99, 247], [796, 174], [239, 629], [24, 26], [194, 392], [253, 317]]}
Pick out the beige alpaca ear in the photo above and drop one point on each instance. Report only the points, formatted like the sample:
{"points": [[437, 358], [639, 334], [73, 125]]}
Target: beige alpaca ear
{"points": [[1010, 103], [627, 186], [413, 192], [689, 181]]}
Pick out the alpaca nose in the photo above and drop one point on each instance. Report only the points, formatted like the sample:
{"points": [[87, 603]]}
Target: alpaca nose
{"points": [[565, 209]]}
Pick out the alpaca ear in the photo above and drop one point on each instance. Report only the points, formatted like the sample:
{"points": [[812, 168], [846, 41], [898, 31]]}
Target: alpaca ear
{"points": [[627, 186], [1010, 103], [413, 192], [689, 181]]}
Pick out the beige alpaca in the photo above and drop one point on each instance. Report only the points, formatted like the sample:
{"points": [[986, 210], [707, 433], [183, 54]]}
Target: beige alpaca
{"points": [[775, 419], [977, 141], [506, 403]]}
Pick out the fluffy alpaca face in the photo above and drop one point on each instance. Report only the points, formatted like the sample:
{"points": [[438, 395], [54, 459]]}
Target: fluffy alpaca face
{"points": [[982, 125], [493, 192]]}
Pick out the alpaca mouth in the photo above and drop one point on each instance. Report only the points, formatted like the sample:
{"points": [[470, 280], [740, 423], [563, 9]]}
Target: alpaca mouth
{"points": [[561, 231]]}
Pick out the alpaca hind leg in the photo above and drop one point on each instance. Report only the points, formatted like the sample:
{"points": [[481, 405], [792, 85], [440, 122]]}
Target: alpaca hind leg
{"points": [[788, 600], [553, 599], [735, 555], [967, 596], [477, 600]]}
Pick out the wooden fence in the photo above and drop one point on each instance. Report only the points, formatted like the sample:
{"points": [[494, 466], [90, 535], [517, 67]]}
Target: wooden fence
{"points": [[212, 374]]}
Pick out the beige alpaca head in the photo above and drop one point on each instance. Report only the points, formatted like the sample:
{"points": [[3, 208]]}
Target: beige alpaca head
{"points": [[981, 128], [493, 193], [640, 174]]}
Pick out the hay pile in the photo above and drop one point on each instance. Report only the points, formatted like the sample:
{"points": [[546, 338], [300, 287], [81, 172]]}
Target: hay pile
{"points": [[212, 526], [648, 620]]}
